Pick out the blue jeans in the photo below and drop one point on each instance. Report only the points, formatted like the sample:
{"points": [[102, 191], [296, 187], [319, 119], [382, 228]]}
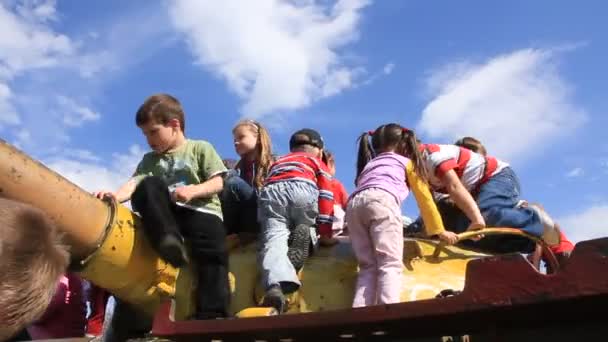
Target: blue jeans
{"points": [[497, 200], [282, 207], [239, 206]]}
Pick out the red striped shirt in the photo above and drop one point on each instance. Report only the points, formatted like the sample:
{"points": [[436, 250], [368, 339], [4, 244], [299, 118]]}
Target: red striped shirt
{"points": [[471, 168], [300, 166]]}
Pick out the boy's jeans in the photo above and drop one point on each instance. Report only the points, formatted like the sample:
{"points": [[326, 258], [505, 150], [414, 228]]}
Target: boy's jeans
{"points": [[497, 201], [281, 207], [239, 205]]}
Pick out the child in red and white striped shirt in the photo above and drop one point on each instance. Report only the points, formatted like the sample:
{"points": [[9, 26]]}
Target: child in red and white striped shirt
{"points": [[297, 193], [487, 191]]}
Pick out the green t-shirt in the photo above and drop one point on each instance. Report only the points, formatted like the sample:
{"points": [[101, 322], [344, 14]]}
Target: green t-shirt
{"points": [[194, 162]]}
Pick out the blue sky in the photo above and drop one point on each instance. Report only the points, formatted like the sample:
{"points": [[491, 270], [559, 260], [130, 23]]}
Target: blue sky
{"points": [[527, 78]]}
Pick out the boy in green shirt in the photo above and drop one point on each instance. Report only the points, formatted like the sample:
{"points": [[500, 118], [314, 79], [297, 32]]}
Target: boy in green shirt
{"points": [[174, 189]]}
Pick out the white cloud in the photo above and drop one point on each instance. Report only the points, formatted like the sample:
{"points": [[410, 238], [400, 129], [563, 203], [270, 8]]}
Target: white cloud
{"points": [[128, 161], [588, 224], [276, 55], [388, 68], [74, 114], [23, 136], [8, 114], [25, 41], [42, 71], [86, 170], [81, 154], [513, 103], [576, 172]]}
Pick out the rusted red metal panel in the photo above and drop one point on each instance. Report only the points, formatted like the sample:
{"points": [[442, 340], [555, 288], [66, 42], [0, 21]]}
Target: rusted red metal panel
{"points": [[504, 298]]}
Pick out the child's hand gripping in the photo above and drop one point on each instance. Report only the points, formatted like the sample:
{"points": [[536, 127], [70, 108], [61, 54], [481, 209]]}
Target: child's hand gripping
{"points": [[477, 226], [103, 194], [450, 238]]}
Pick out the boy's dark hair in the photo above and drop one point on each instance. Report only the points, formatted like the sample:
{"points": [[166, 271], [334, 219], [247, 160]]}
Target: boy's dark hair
{"points": [[303, 148], [306, 137], [390, 136], [472, 144], [161, 108], [32, 259]]}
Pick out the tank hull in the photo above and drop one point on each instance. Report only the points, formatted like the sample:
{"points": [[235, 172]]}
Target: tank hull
{"points": [[504, 299]]}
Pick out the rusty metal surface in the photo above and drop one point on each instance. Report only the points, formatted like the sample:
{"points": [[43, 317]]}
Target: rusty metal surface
{"points": [[82, 218], [504, 298]]}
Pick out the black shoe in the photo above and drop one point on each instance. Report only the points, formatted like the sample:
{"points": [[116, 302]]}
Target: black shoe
{"points": [[275, 298], [173, 250], [299, 246]]}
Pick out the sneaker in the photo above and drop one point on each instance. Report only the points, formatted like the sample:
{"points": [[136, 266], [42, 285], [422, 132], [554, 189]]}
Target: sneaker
{"points": [[299, 246], [551, 233], [274, 298], [173, 250]]}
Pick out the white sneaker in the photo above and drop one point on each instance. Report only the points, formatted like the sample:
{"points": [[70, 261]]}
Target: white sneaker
{"points": [[551, 234]]}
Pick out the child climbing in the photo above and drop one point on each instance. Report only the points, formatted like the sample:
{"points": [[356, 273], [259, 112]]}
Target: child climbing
{"points": [[561, 250], [486, 190], [297, 194], [174, 188], [340, 195], [373, 215]]}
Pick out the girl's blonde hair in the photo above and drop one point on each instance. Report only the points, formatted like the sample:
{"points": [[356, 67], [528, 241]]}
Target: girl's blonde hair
{"points": [[263, 150]]}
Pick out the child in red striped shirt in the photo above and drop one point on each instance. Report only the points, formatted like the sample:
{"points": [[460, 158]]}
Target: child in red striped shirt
{"points": [[564, 248], [340, 195], [297, 192], [487, 191]]}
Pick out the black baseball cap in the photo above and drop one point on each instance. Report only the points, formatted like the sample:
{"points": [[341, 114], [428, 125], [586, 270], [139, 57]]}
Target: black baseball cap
{"points": [[306, 136]]}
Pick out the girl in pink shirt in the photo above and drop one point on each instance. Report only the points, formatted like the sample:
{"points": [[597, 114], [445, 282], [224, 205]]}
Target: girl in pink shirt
{"points": [[373, 214]]}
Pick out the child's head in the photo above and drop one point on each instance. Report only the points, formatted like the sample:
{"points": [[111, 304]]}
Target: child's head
{"points": [[250, 138], [471, 144], [330, 161], [161, 119], [308, 141], [390, 138], [32, 261], [252, 142]]}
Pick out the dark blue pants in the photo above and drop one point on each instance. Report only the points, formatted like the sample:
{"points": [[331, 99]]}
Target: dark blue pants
{"points": [[497, 200], [239, 206]]}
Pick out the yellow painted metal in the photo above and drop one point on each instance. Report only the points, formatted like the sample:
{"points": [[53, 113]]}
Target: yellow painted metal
{"points": [[329, 276], [256, 312], [126, 266]]}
